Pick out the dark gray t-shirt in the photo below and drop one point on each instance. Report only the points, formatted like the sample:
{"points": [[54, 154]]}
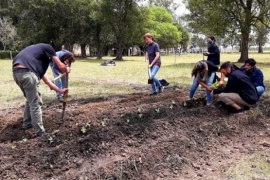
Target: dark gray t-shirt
{"points": [[36, 58], [151, 49]]}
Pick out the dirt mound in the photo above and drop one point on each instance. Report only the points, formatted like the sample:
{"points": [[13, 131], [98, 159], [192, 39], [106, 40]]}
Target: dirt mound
{"points": [[137, 137]]}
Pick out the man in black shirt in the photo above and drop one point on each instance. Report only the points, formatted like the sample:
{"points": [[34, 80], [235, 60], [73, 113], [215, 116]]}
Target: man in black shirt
{"points": [[29, 66], [239, 92]]}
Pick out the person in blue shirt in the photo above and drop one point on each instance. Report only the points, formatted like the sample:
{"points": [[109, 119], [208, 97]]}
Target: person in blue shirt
{"points": [[153, 56], [67, 58], [255, 74]]}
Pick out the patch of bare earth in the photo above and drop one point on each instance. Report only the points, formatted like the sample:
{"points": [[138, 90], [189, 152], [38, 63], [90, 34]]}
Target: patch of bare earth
{"points": [[137, 137]]}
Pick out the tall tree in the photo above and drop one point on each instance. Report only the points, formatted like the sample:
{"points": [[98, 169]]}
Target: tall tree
{"points": [[216, 17], [123, 19], [261, 36], [160, 24], [7, 32]]}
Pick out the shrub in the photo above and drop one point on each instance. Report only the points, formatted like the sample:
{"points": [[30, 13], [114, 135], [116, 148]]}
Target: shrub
{"points": [[8, 54]]}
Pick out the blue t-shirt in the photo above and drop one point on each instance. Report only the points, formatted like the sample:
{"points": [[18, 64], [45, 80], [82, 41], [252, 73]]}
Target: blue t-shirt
{"points": [[151, 50], [59, 54], [36, 58]]}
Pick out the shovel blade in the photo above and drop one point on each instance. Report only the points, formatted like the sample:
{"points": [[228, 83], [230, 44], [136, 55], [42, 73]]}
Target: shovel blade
{"points": [[150, 81]]}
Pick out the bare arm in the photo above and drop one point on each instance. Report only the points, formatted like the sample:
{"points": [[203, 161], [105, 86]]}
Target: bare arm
{"points": [[205, 86], [156, 58], [52, 85]]}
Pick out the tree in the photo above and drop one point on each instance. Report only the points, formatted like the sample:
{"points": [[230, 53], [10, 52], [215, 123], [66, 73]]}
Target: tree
{"points": [[169, 5], [216, 17], [123, 20], [7, 32], [160, 24], [261, 36]]}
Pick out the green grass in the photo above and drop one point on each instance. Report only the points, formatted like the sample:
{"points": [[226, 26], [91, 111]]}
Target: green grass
{"points": [[89, 79]]}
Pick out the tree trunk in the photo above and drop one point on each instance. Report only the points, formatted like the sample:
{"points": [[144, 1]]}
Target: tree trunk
{"points": [[260, 50], [244, 47], [98, 39], [119, 54], [83, 51]]}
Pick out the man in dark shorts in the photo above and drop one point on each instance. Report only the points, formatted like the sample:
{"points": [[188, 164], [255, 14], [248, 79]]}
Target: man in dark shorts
{"points": [[29, 66]]}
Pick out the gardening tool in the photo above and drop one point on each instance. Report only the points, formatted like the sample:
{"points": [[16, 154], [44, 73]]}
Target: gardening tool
{"points": [[58, 77], [65, 97], [150, 80]]}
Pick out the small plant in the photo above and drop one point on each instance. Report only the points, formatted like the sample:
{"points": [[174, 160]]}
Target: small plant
{"points": [[157, 110], [104, 120], [140, 113], [85, 127]]}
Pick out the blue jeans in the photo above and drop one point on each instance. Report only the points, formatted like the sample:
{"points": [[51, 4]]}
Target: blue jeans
{"points": [[260, 90], [61, 82], [156, 82], [195, 85]]}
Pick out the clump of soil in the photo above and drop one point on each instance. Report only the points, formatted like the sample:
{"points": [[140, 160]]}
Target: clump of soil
{"points": [[136, 137]]}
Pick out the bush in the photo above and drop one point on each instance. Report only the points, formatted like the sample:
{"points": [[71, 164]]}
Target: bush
{"points": [[8, 54]]}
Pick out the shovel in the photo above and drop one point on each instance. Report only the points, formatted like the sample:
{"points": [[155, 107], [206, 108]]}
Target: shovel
{"points": [[150, 80]]}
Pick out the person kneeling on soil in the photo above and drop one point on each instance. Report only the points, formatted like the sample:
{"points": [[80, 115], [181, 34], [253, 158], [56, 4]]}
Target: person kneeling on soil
{"points": [[255, 74], [204, 73], [29, 66], [239, 92]]}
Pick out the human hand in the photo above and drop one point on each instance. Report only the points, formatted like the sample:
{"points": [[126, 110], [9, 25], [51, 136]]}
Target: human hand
{"points": [[150, 65], [206, 53], [68, 69], [64, 91], [220, 85]]}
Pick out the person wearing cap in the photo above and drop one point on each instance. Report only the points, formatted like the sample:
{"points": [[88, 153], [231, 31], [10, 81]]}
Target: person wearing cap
{"points": [[29, 66], [204, 74], [255, 74], [67, 58], [153, 56]]}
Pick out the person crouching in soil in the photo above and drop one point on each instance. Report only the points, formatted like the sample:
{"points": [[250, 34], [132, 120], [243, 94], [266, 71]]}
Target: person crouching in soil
{"points": [[204, 73], [153, 56], [239, 92], [29, 66]]}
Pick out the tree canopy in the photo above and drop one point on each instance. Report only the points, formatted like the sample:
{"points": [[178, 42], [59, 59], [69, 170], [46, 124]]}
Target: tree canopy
{"points": [[219, 16]]}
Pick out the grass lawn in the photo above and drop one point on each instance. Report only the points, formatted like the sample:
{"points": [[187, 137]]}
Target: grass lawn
{"points": [[89, 79]]}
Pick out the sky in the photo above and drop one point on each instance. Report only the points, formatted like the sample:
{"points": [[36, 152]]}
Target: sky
{"points": [[182, 9]]}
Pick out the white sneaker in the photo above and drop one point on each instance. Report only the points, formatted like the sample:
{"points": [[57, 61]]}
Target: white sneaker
{"points": [[160, 89]]}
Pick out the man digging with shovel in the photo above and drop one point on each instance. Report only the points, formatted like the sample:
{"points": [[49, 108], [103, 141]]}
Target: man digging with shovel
{"points": [[29, 66]]}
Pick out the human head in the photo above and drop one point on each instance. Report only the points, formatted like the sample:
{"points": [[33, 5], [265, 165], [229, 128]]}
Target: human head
{"points": [[200, 67], [148, 38], [249, 64], [67, 58], [211, 39], [226, 68]]}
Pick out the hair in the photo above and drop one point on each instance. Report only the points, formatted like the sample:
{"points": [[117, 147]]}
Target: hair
{"points": [[250, 61], [149, 36], [226, 65], [198, 67], [68, 56], [212, 38]]}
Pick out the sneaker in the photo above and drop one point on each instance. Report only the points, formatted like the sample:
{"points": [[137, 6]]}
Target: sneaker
{"points": [[160, 89], [153, 94], [237, 111], [27, 127], [246, 108], [61, 99]]}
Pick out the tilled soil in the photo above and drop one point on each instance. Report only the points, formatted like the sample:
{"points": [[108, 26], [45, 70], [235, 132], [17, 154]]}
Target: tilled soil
{"points": [[136, 137]]}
